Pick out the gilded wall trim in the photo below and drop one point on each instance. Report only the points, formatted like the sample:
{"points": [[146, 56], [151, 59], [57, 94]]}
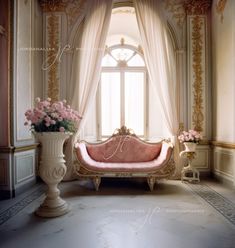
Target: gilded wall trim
{"points": [[223, 144], [197, 45], [53, 5], [197, 7], [13, 149], [220, 5], [52, 60]]}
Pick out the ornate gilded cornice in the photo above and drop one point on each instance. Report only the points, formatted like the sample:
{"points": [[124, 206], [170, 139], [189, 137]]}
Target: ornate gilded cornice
{"points": [[220, 5], [53, 63], [197, 116], [197, 7], [53, 5]]}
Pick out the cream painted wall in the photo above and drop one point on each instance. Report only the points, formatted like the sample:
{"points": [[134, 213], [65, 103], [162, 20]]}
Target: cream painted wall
{"points": [[18, 160], [223, 73], [223, 90]]}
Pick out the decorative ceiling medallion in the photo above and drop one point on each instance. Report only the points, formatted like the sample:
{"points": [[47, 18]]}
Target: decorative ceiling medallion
{"points": [[197, 7], [176, 7], [220, 5], [197, 43]]}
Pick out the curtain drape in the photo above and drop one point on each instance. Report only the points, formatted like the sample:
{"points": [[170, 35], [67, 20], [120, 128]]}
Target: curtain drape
{"points": [[86, 67], [160, 62]]}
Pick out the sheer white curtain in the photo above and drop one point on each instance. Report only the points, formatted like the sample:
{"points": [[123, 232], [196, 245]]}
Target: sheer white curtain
{"points": [[86, 67], [159, 57]]}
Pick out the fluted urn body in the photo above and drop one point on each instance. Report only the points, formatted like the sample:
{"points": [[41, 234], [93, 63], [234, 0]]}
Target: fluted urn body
{"points": [[190, 146], [52, 169]]}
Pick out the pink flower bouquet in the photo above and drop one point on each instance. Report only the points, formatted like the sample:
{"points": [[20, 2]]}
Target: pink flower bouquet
{"points": [[52, 117], [190, 136]]}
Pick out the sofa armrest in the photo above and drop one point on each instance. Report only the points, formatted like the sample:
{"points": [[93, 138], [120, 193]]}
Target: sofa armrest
{"points": [[82, 154], [165, 154]]}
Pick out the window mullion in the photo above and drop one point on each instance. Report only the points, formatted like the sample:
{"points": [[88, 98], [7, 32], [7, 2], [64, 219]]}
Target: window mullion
{"points": [[122, 109]]}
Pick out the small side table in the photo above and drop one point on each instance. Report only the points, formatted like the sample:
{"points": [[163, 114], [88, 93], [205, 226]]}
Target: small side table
{"points": [[189, 173]]}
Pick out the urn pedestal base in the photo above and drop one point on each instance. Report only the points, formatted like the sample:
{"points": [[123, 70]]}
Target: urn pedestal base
{"points": [[49, 211]]}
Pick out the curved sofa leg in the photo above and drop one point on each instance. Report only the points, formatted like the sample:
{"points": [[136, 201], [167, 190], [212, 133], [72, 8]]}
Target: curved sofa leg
{"points": [[151, 182], [96, 181]]}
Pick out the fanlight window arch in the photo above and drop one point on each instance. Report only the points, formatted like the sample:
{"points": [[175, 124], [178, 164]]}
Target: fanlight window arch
{"points": [[122, 93]]}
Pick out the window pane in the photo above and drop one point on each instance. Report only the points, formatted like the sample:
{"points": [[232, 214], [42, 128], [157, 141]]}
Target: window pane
{"points": [[134, 101], [108, 61], [136, 61], [110, 102]]}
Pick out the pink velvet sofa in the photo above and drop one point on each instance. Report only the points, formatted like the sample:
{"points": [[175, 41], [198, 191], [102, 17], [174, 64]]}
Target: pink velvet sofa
{"points": [[124, 155]]}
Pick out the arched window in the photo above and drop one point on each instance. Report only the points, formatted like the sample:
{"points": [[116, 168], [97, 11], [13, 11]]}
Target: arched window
{"points": [[124, 96], [123, 90]]}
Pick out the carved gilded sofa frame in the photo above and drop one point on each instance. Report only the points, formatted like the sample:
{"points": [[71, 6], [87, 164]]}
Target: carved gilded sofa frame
{"points": [[164, 170]]}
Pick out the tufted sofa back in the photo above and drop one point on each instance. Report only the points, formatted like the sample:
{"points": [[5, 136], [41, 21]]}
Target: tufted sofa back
{"points": [[124, 149]]}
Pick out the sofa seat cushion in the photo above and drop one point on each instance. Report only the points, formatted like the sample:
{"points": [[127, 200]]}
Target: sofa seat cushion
{"points": [[132, 167], [125, 149]]}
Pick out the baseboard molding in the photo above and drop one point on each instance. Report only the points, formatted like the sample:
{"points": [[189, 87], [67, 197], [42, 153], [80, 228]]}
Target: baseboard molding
{"points": [[7, 194], [22, 188], [222, 179], [205, 174]]}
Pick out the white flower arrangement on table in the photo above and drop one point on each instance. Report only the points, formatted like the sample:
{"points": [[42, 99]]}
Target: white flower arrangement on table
{"points": [[48, 116], [190, 136]]}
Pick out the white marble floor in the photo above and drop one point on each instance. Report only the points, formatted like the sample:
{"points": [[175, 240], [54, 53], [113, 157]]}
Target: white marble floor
{"points": [[123, 214]]}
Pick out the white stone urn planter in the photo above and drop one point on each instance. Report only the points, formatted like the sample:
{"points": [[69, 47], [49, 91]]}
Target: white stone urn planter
{"points": [[52, 170], [190, 146]]}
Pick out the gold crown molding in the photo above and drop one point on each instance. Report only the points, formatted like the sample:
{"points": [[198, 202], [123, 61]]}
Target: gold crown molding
{"points": [[53, 5], [197, 116], [197, 7], [53, 63], [223, 144], [176, 7], [220, 5]]}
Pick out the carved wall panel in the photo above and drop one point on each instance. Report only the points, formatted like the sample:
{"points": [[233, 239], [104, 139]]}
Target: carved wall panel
{"points": [[51, 59], [24, 166], [197, 73]]}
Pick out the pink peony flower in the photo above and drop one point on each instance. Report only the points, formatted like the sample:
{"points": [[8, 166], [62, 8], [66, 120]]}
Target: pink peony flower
{"points": [[61, 129], [53, 122], [47, 116]]}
